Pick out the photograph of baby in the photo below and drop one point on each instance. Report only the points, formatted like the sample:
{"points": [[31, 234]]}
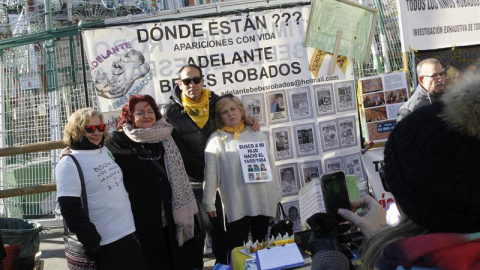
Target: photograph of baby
{"points": [[289, 179], [117, 81]]}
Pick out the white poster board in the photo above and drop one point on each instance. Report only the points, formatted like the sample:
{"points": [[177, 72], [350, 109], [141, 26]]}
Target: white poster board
{"points": [[255, 162]]}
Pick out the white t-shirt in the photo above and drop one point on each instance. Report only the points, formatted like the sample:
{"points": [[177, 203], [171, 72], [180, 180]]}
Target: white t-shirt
{"points": [[108, 203]]}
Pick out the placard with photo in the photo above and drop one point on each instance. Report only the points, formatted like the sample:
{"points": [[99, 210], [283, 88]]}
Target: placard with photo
{"points": [[324, 99], [310, 170], [289, 180], [283, 148], [353, 165], [300, 103], [277, 106], [333, 164], [348, 131], [305, 139], [345, 96], [292, 211], [329, 135], [254, 104]]}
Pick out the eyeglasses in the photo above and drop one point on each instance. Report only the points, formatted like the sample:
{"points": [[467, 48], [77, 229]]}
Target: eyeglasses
{"points": [[91, 128], [435, 75], [383, 177], [142, 113], [195, 80]]}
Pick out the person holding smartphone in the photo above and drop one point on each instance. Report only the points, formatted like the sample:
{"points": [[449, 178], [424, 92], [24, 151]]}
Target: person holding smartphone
{"points": [[431, 168]]}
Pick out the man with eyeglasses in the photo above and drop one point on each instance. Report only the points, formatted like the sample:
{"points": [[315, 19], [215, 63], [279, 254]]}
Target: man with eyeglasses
{"points": [[431, 84], [191, 112]]}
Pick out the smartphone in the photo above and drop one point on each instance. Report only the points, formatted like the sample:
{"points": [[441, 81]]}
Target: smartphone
{"points": [[335, 193]]}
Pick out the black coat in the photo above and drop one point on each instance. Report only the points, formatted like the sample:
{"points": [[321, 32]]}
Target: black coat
{"points": [[149, 191], [191, 139]]}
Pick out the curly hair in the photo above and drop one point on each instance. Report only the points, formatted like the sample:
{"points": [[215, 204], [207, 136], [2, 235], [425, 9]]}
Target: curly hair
{"points": [[75, 127], [126, 115]]}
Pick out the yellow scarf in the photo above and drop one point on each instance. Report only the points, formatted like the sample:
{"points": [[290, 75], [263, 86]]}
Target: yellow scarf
{"points": [[198, 111], [235, 131]]}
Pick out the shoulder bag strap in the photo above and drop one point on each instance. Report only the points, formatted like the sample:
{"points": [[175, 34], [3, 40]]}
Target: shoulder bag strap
{"points": [[280, 209], [83, 193]]}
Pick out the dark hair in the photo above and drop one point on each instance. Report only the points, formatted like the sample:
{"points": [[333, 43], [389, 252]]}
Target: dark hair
{"points": [[287, 169], [126, 116], [190, 66]]}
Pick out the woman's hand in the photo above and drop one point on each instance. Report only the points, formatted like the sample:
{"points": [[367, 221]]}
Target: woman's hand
{"points": [[212, 214], [65, 151], [370, 219], [253, 121]]}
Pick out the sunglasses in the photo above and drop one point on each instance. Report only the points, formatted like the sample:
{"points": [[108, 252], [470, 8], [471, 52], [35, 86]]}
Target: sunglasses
{"points": [[195, 80], [383, 178], [91, 128]]}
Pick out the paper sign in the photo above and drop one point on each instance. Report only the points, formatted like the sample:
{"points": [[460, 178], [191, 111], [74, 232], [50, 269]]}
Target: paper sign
{"points": [[255, 164], [281, 257], [373, 160]]}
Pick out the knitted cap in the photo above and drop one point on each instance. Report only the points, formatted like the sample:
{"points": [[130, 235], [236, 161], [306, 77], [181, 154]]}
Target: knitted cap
{"points": [[432, 161]]}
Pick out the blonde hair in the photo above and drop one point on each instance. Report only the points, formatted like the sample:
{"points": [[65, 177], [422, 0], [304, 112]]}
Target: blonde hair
{"points": [[222, 102], [373, 247], [75, 127]]}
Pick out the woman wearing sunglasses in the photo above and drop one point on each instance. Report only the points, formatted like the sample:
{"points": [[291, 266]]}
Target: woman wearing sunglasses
{"points": [[106, 231], [248, 205], [162, 199]]}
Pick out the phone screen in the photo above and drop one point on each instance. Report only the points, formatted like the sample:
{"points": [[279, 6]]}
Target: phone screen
{"points": [[335, 193]]}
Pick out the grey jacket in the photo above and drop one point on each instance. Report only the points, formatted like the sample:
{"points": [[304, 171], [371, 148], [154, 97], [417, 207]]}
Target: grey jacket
{"points": [[420, 98]]}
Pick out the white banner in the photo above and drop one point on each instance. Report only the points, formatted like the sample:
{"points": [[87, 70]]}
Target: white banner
{"points": [[435, 24], [372, 161], [241, 54]]}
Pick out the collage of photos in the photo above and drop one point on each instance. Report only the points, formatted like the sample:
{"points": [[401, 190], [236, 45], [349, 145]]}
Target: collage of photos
{"points": [[339, 133], [382, 97], [350, 164]]}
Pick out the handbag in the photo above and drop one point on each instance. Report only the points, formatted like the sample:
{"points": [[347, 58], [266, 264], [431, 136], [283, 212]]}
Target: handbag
{"points": [[74, 250], [202, 220], [283, 224]]}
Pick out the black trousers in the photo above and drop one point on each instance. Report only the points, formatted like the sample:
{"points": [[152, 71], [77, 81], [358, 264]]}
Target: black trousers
{"points": [[123, 254], [237, 231]]}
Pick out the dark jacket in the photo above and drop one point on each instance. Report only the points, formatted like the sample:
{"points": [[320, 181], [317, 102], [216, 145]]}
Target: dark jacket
{"points": [[191, 140], [149, 191]]}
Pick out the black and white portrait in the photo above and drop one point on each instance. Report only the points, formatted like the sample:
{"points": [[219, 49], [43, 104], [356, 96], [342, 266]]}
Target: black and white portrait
{"points": [[324, 99], [333, 164], [288, 175], [254, 105], [348, 131], [283, 143], [353, 165], [306, 139], [292, 210], [329, 135], [277, 106], [310, 170], [345, 96], [300, 105]]}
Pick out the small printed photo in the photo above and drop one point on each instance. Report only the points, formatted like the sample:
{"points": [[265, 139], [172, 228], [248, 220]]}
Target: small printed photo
{"points": [[277, 106], [292, 210], [301, 106], [333, 164], [283, 143], [373, 100], [306, 140], [324, 99], [353, 165], [288, 175], [254, 105], [348, 131], [345, 96], [376, 114], [372, 85], [396, 96], [329, 135], [310, 170]]}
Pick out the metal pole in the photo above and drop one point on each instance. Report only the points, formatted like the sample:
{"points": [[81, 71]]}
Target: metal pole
{"points": [[84, 71]]}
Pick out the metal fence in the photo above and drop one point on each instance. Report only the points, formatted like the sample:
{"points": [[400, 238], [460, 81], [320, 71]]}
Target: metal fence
{"points": [[43, 82]]}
